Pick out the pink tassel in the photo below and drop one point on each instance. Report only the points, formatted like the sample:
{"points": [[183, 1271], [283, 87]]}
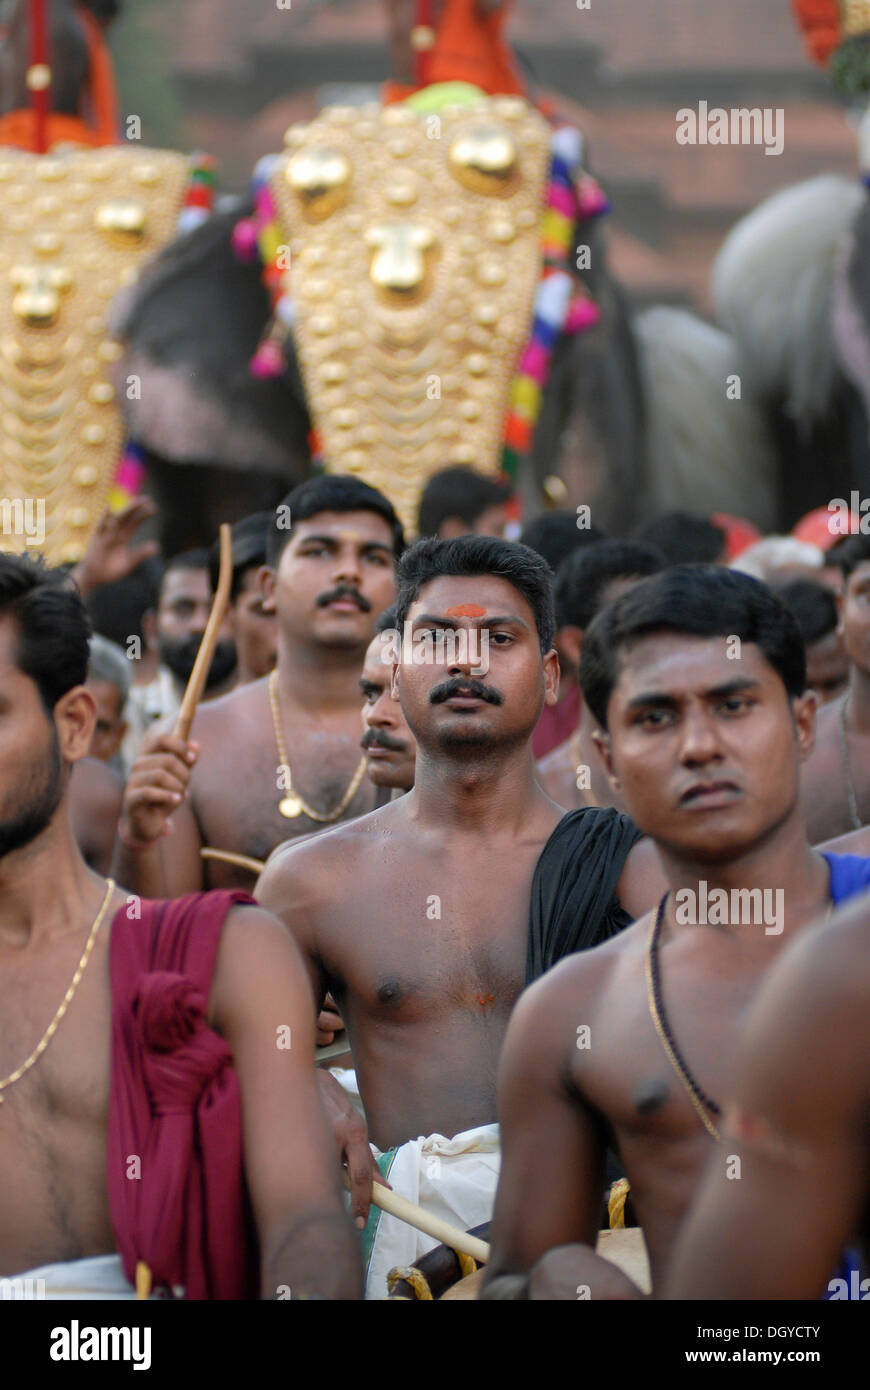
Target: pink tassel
{"points": [[583, 314], [245, 241], [268, 361]]}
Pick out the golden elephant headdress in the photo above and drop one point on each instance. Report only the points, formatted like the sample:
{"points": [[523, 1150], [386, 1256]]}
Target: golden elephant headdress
{"points": [[76, 226], [406, 254]]}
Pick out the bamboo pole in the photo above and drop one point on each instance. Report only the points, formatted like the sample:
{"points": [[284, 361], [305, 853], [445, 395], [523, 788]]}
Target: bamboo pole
{"points": [[196, 684]]}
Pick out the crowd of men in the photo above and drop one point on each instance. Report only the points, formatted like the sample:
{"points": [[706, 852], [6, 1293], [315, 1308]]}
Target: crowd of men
{"points": [[519, 831]]}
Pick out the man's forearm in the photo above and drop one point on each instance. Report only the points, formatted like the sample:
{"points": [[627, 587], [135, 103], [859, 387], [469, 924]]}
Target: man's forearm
{"points": [[140, 870], [317, 1255]]}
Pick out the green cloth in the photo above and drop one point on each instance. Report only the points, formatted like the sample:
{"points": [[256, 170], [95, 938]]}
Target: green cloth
{"points": [[385, 1163]]}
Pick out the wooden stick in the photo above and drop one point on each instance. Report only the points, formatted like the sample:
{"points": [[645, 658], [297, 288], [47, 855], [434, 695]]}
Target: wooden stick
{"points": [[241, 861], [198, 675], [143, 1279], [430, 1225]]}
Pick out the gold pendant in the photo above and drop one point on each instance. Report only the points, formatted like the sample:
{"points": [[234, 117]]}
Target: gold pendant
{"points": [[290, 807]]}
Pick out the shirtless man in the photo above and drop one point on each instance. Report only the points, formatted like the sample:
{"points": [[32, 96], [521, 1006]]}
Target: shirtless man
{"points": [[697, 675], [387, 741], [588, 580], [836, 780], [798, 1125], [54, 1198], [416, 917], [273, 751]]}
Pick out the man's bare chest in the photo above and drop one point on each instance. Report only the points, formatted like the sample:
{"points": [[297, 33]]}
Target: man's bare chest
{"points": [[68, 1082], [237, 790], [418, 940], [649, 1057]]}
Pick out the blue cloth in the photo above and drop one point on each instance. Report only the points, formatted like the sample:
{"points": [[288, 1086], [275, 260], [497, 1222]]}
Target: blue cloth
{"points": [[850, 875]]}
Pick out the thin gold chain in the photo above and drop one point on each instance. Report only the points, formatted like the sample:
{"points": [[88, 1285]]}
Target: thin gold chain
{"points": [[284, 763], [67, 998], [662, 1036], [669, 1051]]}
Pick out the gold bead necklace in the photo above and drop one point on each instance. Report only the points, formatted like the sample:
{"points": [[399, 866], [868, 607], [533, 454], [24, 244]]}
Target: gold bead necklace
{"points": [[67, 998], [292, 805]]}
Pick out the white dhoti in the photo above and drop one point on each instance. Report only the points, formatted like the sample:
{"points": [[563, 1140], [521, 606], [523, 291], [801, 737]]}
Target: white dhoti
{"points": [[97, 1277], [454, 1179]]}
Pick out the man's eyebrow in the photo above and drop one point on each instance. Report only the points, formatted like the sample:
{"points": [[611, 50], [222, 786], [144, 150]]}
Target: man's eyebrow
{"points": [[316, 536], [366, 686], [661, 700], [323, 538], [441, 620]]}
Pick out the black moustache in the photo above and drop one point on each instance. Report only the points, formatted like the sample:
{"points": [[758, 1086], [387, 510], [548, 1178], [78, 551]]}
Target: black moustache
{"points": [[344, 592], [373, 738], [457, 686]]}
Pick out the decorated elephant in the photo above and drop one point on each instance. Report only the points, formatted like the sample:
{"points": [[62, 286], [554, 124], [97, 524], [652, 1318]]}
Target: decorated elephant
{"points": [[416, 283]]}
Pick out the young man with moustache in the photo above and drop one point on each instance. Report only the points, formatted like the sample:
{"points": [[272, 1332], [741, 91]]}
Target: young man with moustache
{"points": [[387, 741], [277, 758], [150, 1127], [697, 679], [836, 779], [416, 917]]}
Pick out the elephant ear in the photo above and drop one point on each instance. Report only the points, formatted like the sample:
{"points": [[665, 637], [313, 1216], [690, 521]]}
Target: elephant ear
{"points": [[190, 327], [773, 284], [709, 448], [851, 321], [590, 431]]}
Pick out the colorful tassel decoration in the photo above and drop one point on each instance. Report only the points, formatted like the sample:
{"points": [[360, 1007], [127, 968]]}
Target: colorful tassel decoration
{"points": [[199, 198], [562, 304]]}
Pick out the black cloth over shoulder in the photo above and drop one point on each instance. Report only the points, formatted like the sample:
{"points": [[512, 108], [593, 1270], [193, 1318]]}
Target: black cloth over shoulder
{"points": [[574, 904]]}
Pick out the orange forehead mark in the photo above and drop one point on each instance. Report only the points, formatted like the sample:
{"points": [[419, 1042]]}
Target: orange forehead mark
{"points": [[353, 536], [466, 610]]}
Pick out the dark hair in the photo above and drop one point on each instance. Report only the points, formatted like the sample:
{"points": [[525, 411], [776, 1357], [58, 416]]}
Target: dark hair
{"points": [[813, 605], [849, 553], [430, 558], [461, 492], [249, 550], [329, 492], [195, 559], [685, 539], [555, 534], [698, 601], [117, 609], [585, 574], [386, 621], [53, 626]]}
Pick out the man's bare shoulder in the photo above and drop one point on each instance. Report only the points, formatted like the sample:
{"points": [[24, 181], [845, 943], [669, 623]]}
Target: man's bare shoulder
{"points": [[833, 960], [229, 711], [336, 849], [589, 974]]}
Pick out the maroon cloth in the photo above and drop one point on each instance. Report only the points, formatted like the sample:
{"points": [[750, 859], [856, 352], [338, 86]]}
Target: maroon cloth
{"points": [[557, 722], [174, 1102]]}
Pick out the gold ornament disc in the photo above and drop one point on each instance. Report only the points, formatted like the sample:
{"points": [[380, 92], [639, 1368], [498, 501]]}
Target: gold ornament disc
{"points": [[290, 807]]}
